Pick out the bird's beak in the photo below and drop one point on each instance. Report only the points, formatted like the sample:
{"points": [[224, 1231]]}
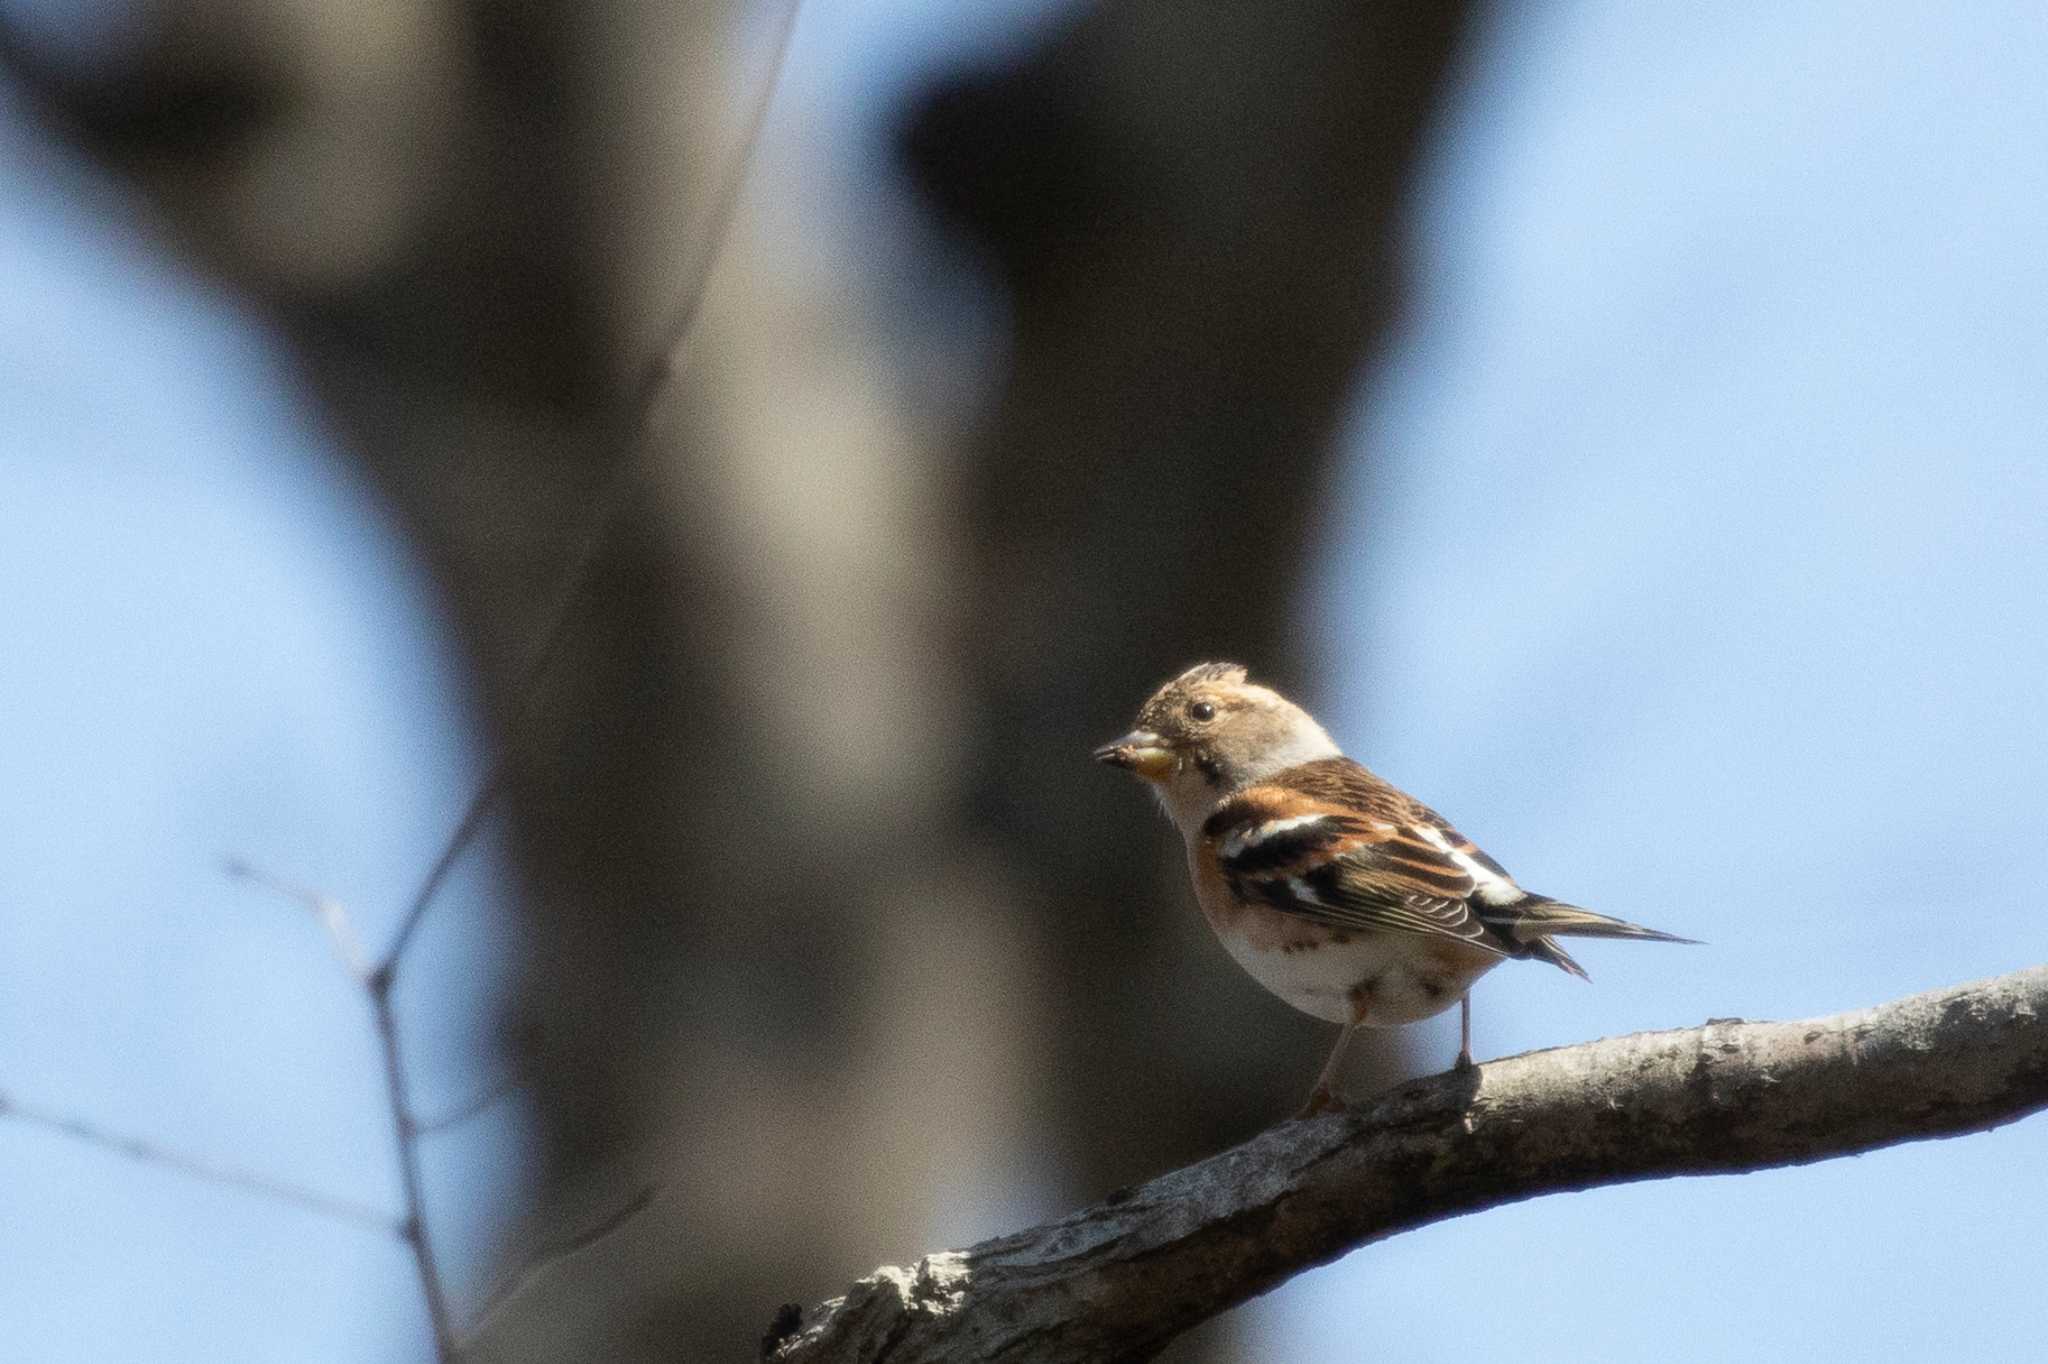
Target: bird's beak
{"points": [[1140, 751]]}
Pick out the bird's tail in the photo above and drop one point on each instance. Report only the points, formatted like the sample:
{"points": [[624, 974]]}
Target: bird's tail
{"points": [[1532, 921]]}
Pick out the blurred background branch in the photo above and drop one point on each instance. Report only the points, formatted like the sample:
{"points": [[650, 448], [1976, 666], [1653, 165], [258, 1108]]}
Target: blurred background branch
{"points": [[377, 979], [460, 217], [1682, 533], [72, 1127]]}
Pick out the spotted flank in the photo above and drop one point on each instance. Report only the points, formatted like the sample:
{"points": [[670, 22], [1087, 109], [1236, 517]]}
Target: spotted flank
{"points": [[1330, 843]]}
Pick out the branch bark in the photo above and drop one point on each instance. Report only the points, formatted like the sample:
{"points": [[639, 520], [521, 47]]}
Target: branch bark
{"points": [[1118, 1280]]}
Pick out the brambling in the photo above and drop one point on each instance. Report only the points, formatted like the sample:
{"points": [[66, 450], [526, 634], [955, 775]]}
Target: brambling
{"points": [[1347, 898]]}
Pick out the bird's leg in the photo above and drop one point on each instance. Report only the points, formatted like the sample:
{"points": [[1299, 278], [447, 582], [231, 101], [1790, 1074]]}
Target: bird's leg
{"points": [[1323, 1097], [1464, 1061]]}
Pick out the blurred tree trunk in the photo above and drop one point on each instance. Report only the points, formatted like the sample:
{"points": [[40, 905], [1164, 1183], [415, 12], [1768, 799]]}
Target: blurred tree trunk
{"points": [[827, 922], [1195, 212]]}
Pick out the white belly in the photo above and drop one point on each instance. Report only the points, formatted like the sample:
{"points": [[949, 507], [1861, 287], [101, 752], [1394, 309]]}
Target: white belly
{"points": [[1396, 983]]}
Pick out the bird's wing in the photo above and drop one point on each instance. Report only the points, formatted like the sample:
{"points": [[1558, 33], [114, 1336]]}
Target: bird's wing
{"points": [[1331, 842]]}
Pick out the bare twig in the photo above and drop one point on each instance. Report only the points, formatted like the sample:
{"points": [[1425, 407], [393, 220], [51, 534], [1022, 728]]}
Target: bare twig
{"points": [[653, 380], [682, 318], [198, 1167], [444, 862], [414, 1227], [551, 1253], [1119, 1279], [378, 977], [377, 982], [467, 1109], [332, 916]]}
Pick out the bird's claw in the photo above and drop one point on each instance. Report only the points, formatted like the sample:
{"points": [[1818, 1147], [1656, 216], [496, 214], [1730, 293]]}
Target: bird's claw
{"points": [[1321, 1099]]}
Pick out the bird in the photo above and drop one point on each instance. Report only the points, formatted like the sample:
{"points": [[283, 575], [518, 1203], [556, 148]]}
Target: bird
{"points": [[1346, 897]]}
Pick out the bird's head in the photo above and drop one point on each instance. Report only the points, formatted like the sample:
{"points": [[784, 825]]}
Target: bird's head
{"points": [[1210, 732]]}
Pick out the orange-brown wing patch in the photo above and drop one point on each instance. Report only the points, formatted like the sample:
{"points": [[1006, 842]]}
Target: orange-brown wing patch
{"points": [[1339, 848]]}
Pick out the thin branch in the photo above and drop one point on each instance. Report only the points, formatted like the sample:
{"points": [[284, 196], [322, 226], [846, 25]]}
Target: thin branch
{"points": [[653, 380], [660, 367], [198, 1167], [1120, 1279], [444, 862], [333, 917], [467, 1109], [379, 978], [377, 983], [414, 1227], [551, 1253]]}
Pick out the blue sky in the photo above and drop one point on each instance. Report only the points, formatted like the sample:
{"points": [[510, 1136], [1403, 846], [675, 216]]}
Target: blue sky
{"points": [[1693, 564], [214, 647], [1702, 581]]}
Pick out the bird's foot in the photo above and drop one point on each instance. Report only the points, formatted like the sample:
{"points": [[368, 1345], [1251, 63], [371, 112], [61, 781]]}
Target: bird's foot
{"points": [[1321, 1099], [1464, 1064]]}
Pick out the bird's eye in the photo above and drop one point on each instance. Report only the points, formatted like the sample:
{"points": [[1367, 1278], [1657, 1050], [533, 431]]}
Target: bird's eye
{"points": [[1201, 710]]}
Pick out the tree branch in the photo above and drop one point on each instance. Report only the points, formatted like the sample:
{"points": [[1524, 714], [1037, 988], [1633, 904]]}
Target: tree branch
{"points": [[148, 1152], [551, 1253], [376, 982], [1118, 1280], [649, 384]]}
